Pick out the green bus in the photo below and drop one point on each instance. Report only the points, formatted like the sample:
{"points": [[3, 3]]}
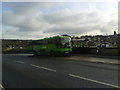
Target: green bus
{"points": [[57, 45]]}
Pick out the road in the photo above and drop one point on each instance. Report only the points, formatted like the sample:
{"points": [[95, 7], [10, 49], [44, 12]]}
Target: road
{"points": [[26, 71]]}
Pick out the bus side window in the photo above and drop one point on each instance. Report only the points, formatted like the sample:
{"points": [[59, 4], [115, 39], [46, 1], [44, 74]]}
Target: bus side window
{"points": [[46, 41], [57, 40], [43, 42], [53, 40], [50, 41], [39, 42]]}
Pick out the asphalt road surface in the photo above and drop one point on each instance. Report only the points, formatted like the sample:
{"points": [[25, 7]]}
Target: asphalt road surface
{"points": [[26, 71]]}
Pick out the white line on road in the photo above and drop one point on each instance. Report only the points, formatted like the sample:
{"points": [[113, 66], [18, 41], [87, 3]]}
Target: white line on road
{"points": [[43, 68], [20, 62], [76, 76], [1, 86]]}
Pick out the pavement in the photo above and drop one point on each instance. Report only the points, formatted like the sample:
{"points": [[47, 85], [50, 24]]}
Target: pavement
{"points": [[95, 59], [88, 58]]}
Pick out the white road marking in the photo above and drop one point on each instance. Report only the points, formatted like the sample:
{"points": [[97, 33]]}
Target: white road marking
{"points": [[97, 61], [20, 62], [43, 68], [87, 61], [76, 76], [1, 86]]}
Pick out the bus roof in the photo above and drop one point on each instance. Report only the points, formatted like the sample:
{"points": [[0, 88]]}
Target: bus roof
{"points": [[51, 38]]}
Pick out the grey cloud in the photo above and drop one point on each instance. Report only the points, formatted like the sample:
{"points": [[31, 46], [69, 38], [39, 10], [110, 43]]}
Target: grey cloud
{"points": [[22, 7], [9, 18], [16, 34], [72, 29], [60, 22], [79, 23], [28, 7], [81, 18], [24, 23]]}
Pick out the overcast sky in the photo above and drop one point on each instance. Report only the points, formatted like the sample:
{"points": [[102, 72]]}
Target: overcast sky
{"points": [[34, 20]]}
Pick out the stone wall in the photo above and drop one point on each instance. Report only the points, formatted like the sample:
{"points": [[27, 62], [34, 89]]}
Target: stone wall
{"points": [[103, 51]]}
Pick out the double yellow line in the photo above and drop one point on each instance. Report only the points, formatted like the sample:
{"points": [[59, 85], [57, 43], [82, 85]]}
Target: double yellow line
{"points": [[1, 87]]}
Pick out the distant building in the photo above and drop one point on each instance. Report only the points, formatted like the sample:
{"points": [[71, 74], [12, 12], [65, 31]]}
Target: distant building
{"points": [[14, 43], [102, 40], [80, 42]]}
